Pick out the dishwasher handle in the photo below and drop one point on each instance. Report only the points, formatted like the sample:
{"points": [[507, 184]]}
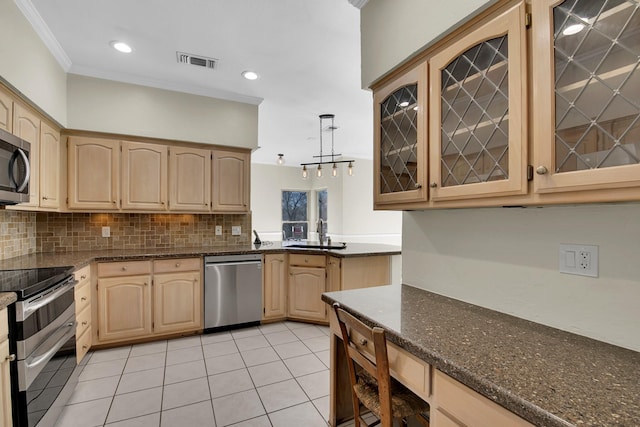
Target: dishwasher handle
{"points": [[231, 263]]}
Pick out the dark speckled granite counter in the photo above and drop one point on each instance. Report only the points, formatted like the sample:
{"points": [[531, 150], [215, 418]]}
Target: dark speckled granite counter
{"points": [[547, 376], [82, 258]]}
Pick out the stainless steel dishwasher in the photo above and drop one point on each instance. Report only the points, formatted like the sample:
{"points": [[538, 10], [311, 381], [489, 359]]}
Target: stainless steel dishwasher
{"points": [[232, 291]]}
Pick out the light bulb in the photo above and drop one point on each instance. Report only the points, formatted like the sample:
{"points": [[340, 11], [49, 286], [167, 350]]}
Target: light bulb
{"points": [[350, 169], [280, 160], [334, 170], [121, 46], [305, 173], [573, 29], [319, 171]]}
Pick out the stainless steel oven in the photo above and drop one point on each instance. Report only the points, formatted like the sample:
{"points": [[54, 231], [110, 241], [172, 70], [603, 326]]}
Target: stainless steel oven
{"points": [[42, 329]]}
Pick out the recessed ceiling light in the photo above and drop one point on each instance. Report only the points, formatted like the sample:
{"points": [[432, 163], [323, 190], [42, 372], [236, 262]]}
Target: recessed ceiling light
{"points": [[250, 75], [121, 46]]}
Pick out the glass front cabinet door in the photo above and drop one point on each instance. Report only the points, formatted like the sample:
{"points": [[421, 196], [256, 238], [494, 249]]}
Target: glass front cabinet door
{"points": [[586, 89], [478, 112], [399, 141]]}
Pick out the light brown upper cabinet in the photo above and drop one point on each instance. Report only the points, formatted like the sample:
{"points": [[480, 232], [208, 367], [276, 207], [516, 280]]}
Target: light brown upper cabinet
{"points": [[6, 111], [231, 172], [26, 125], [586, 89], [400, 131], [189, 179], [94, 173], [144, 176], [478, 105], [49, 173]]}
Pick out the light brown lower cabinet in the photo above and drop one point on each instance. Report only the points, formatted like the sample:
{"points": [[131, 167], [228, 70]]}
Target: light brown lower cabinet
{"points": [[274, 287], [456, 405], [142, 299], [5, 378], [83, 311], [306, 285]]}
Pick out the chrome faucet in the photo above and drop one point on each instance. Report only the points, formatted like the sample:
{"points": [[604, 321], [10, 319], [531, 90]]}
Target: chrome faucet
{"points": [[322, 232]]}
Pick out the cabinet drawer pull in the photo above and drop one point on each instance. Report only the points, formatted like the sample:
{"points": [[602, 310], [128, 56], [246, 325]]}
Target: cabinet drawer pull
{"points": [[11, 357], [177, 265], [541, 170], [362, 341], [124, 268]]}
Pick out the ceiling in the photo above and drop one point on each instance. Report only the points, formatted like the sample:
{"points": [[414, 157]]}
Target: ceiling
{"points": [[306, 52]]}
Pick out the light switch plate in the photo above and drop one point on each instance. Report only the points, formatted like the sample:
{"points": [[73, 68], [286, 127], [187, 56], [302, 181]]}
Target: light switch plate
{"points": [[236, 230], [579, 259], [106, 231], [218, 230]]}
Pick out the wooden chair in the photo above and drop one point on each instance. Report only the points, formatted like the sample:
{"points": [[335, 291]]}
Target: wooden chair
{"points": [[371, 384]]}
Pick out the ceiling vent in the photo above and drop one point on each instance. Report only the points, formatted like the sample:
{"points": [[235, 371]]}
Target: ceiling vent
{"points": [[199, 61]]}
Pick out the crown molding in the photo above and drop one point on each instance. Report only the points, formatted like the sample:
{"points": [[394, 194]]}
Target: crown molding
{"points": [[358, 4], [42, 29]]}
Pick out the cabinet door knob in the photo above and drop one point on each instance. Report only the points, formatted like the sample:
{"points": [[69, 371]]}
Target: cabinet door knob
{"points": [[11, 357], [84, 323], [84, 276], [433, 185], [124, 268], [362, 341], [83, 299], [177, 264], [84, 347], [44, 198], [417, 186], [541, 170]]}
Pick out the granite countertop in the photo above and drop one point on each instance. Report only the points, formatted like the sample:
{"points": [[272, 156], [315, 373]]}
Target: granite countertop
{"points": [[6, 299], [82, 258], [547, 376]]}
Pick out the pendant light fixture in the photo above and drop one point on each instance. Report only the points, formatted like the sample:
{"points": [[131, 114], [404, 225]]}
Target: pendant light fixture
{"points": [[333, 161]]}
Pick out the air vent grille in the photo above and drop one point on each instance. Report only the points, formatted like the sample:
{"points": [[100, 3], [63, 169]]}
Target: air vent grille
{"points": [[197, 60]]}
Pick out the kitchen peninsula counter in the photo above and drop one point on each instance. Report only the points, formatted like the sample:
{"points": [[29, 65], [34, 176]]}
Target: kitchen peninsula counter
{"points": [[546, 376], [79, 259]]}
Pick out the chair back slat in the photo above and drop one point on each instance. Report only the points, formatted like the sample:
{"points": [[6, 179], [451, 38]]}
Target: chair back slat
{"points": [[378, 368]]}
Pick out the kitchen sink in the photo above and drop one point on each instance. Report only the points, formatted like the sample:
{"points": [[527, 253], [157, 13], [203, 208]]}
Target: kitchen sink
{"points": [[314, 245]]}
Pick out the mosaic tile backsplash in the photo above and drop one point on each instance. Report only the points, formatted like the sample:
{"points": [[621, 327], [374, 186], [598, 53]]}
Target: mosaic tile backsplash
{"points": [[23, 233], [17, 233], [59, 232]]}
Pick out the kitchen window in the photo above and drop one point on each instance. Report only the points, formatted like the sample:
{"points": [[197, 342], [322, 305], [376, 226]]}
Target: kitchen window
{"points": [[295, 215]]}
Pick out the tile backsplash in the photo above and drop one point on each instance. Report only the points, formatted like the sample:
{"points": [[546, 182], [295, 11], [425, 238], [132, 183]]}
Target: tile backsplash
{"points": [[23, 233], [17, 233], [60, 232]]}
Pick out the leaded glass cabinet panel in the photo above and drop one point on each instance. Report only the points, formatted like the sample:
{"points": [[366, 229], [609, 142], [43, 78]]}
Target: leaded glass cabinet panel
{"points": [[400, 137], [587, 97], [478, 133]]}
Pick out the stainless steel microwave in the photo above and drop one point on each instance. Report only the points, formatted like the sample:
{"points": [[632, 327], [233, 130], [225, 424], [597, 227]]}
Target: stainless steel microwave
{"points": [[14, 169]]}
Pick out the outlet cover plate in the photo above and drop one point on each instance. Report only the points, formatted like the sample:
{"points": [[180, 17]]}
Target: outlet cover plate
{"points": [[579, 259], [218, 230], [236, 230]]}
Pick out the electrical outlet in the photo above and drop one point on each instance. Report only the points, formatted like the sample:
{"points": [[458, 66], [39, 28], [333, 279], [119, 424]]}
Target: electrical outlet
{"points": [[579, 259], [218, 230], [106, 231], [236, 230]]}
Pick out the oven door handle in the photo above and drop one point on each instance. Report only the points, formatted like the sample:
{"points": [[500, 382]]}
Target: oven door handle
{"points": [[32, 362], [14, 158], [30, 307], [29, 368]]}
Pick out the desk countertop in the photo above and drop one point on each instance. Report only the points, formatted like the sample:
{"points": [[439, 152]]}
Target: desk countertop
{"points": [[547, 376]]}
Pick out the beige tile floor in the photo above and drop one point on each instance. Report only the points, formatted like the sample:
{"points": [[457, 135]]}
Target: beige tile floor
{"points": [[271, 375]]}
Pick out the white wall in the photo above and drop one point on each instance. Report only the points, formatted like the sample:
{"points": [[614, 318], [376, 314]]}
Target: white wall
{"points": [[28, 66], [391, 31], [108, 106], [351, 217], [507, 260]]}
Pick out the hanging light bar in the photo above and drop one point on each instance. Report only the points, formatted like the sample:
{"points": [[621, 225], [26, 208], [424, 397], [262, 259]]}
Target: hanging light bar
{"points": [[332, 156]]}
